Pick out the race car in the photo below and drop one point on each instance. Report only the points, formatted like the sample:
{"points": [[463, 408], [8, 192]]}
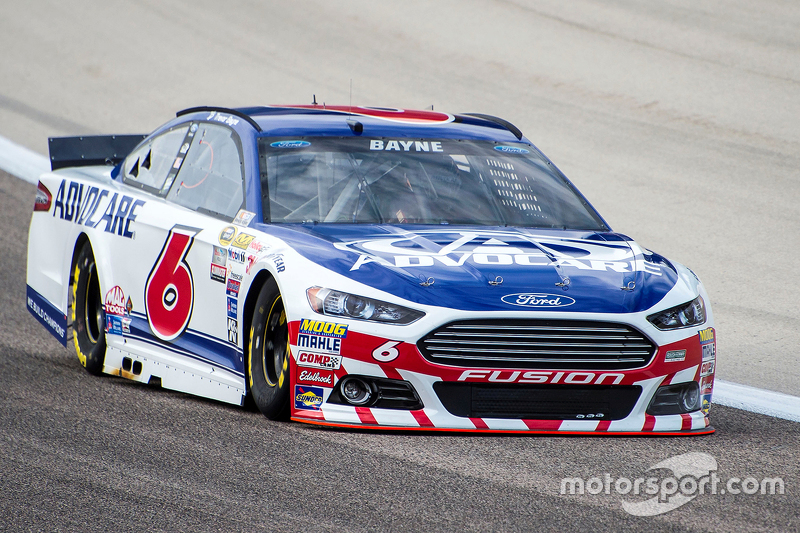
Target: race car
{"points": [[365, 267]]}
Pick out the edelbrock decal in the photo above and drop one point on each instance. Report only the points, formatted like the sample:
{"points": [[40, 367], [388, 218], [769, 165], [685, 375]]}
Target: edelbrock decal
{"points": [[532, 299]]}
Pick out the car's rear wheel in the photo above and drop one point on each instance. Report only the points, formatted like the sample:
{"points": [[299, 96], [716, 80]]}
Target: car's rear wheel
{"points": [[88, 319], [268, 357]]}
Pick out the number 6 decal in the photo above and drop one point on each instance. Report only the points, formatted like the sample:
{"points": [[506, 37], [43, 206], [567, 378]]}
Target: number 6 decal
{"points": [[169, 293], [386, 352]]}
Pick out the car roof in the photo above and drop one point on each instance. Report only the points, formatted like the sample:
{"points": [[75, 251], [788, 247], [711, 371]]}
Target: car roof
{"points": [[324, 120]]}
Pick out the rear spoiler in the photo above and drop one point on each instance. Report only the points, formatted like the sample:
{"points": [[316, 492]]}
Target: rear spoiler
{"points": [[91, 150]]}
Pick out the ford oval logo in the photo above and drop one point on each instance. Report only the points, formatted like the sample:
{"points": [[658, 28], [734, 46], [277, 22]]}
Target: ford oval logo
{"points": [[290, 144], [511, 150], [534, 299]]}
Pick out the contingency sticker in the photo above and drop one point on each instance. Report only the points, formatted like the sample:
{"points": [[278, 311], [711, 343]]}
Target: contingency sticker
{"points": [[308, 398]]}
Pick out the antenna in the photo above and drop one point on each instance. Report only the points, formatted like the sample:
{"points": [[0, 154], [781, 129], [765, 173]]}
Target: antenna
{"points": [[315, 100]]}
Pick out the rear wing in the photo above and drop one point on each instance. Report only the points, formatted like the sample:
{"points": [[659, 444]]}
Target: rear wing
{"points": [[91, 150]]}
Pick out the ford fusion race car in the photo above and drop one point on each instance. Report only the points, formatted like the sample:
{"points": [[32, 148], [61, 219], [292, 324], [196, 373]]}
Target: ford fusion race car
{"points": [[365, 267]]}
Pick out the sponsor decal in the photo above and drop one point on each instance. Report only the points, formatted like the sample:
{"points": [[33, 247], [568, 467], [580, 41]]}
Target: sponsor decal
{"points": [[511, 150], [236, 255], [243, 218], [708, 344], [323, 378], [94, 206], [706, 335], [706, 404], [278, 260], [709, 351], [258, 247], [48, 315], [223, 118], [706, 368], [233, 307], [319, 343], [290, 144], [235, 276], [309, 398], [319, 360], [707, 384], [232, 288], [219, 256], [496, 249], [529, 299], [218, 273], [233, 331], [537, 376], [113, 325], [115, 303], [226, 235], [251, 260], [674, 356], [319, 327], [126, 325], [242, 241]]}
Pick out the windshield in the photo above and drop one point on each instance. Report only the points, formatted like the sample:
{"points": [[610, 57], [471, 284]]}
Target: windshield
{"points": [[407, 181]]}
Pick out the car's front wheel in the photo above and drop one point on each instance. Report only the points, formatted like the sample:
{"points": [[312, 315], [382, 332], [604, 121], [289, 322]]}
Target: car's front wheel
{"points": [[88, 319], [268, 357]]}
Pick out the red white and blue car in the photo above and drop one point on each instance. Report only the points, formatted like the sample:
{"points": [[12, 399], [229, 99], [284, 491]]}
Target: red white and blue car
{"points": [[365, 267]]}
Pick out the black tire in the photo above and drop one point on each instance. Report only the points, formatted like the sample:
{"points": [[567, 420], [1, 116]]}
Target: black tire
{"points": [[88, 317], [268, 357]]}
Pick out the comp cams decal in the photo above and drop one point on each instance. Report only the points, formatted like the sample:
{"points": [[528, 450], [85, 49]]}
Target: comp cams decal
{"points": [[319, 360], [96, 207]]}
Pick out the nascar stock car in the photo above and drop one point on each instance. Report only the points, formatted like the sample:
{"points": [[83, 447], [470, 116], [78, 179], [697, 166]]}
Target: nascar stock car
{"points": [[364, 267]]}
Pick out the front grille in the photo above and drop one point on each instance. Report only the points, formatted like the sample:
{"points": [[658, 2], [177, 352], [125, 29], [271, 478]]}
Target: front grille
{"points": [[538, 402], [540, 344]]}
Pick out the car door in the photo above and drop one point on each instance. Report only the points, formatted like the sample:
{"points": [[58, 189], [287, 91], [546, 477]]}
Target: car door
{"points": [[178, 271]]}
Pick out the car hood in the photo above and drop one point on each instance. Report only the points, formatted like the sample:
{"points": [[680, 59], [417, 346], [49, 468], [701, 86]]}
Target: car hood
{"points": [[489, 268]]}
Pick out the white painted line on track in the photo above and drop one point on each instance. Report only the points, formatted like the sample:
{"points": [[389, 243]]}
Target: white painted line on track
{"points": [[756, 400], [28, 165], [21, 162]]}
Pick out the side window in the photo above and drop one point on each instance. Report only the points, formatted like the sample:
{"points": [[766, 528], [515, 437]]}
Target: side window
{"points": [[147, 167], [210, 179]]}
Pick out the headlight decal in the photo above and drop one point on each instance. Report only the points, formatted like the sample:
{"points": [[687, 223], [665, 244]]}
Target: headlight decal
{"points": [[681, 316], [336, 303]]}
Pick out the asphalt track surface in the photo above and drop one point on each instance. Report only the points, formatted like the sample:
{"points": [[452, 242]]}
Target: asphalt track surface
{"points": [[678, 120]]}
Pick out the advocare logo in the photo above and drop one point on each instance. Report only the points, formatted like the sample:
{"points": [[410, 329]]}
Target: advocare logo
{"points": [[531, 299]]}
